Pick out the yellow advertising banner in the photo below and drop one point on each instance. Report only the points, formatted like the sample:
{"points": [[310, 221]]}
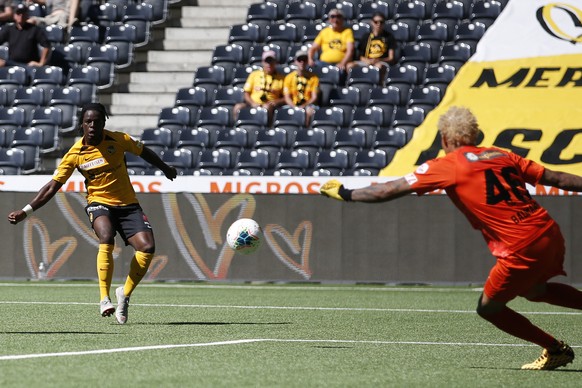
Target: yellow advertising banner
{"points": [[524, 84]]}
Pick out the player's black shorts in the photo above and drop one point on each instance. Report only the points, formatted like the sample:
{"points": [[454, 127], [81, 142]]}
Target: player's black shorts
{"points": [[127, 220]]}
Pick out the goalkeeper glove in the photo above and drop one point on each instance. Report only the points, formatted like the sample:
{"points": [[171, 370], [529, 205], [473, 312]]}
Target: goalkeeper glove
{"points": [[334, 189]]}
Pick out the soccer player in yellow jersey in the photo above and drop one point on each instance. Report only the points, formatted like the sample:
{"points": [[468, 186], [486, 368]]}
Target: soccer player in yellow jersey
{"points": [[301, 87], [112, 205]]}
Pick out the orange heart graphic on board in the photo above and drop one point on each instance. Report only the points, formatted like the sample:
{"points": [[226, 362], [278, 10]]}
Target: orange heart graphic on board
{"points": [[297, 246], [52, 255], [211, 225]]}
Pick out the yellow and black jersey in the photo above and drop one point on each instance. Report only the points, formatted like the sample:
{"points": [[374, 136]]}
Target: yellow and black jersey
{"points": [[374, 47], [103, 167]]}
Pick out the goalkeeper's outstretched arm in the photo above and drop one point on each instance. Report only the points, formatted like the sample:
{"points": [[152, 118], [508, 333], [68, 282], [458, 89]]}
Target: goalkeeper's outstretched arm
{"points": [[375, 193]]}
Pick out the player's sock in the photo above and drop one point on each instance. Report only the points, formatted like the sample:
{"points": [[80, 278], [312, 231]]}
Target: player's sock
{"points": [[561, 295], [105, 268], [137, 270], [519, 326]]}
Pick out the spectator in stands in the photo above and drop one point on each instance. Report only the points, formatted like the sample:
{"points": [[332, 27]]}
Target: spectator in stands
{"points": [[336, 43], [264, 87], [301, 87], [60, 12], [6, 11], [23, 40], [377, 48]]}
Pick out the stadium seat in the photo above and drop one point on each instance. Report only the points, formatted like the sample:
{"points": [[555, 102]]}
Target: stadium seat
{"points": [[345, 98], [363, 78], [387, 97], [6, 97], [262, 11], [214, 117], [256, 162], [85, 79], [372, 161], [408, 116], [311, 140], [256, 53], [485, 11], [352, 140], [196, 139], [248, 32], [310, 32], [369, 8], [272, 140], [104, 58], [68, 100], [228, 96], [425, 97], [139, 15], [233, 139], [240, 75], [439, 75], [175, 117], [290, 118], [301, 14], [346, 7], [390, 138], [216, 161], [47, 77], [328, 75], [418, 55], [360, 30], [210, 77], [256, 118], [160, 137], [106, 14], [455, 55], [159, 10], [11, 161], [332, 118], [226, 54], [410, 11], [450, 13], [434, 33], [28, 98], [402, 76], [192, 98], [283, 34], [182, 159], [55, 34], [469, 32], [371, 117], [335, 161], [123, 37], [401, 31], [294, 161]]}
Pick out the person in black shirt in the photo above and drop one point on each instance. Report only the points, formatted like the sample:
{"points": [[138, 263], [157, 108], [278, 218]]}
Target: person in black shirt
{"points": [[377, 48], [23, 40]]}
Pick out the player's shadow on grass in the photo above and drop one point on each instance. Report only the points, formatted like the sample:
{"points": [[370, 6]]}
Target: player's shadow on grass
{"points": [[54, 332], [519, 369], [214, 323]]}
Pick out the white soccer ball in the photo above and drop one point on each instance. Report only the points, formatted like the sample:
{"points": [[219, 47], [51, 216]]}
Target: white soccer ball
{"points": [[244, 236]]}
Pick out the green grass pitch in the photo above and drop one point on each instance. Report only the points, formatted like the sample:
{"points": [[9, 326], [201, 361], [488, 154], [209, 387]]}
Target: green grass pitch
{"points": [[269, 335]]}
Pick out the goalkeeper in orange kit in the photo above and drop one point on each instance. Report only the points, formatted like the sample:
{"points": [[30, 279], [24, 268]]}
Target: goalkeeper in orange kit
{"points": [[489, 186]]}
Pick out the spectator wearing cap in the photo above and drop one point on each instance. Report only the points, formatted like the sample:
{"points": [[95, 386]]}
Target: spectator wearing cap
{"points": [[336, 43], [23, 40], [6, 12], [263, 87], [301, 87], [377, 48]]}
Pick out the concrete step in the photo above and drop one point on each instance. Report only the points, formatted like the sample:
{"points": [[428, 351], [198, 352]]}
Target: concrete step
{"points": [[140, 100], [161, 78], [132, 124], [225, 3]]}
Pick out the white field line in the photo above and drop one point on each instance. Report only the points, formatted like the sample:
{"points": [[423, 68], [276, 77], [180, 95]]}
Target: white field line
{"points": [[293, 308], [247, 341], [281, 287]]}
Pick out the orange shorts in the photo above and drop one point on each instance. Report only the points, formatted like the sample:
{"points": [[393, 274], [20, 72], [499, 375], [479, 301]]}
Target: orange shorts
{"points": [[518, 273]]}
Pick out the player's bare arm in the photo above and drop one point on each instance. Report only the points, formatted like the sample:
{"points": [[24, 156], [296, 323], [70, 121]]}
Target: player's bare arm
{"points": [[562, 180], [44, 195], [152, 158], [375, 193]]}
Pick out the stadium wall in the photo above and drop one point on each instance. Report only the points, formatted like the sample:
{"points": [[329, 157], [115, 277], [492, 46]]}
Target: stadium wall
{"points": [[306, 238]]}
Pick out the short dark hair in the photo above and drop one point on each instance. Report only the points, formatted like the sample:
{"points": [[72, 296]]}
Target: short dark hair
{"points": [[96, 106], [378, 13]]}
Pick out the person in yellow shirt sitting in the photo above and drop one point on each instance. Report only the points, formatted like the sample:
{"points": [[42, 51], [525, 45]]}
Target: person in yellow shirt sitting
{"points": [[336, 43], [263, 87], [301, 87]]}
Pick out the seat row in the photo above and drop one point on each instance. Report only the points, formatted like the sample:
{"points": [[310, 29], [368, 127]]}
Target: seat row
{"points": [[258, 162]]}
